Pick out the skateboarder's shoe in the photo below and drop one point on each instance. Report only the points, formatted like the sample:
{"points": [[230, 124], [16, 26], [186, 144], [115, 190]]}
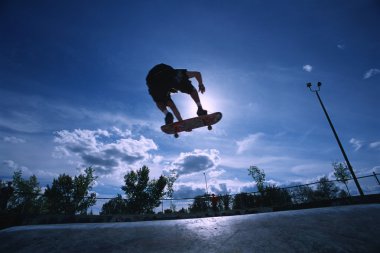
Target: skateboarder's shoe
{"points": [[169, 118], [201, 112]]}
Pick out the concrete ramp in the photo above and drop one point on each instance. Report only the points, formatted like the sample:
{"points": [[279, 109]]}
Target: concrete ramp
{"points": [[332, 229]]}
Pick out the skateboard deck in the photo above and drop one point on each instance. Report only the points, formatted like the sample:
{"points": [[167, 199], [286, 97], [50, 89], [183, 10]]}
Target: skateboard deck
{"points": [[192, 123]]}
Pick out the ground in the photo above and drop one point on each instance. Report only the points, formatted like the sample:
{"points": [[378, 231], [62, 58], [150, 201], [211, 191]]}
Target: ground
{"points": [[333, 229]]}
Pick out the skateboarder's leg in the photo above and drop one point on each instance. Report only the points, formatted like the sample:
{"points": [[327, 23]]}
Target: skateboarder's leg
{"points": [[188, 88], [194, 95], [174, 109], [163, 108]]}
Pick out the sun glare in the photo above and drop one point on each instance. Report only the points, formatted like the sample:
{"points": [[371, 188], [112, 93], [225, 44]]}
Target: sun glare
{"points": [[188, 108]]}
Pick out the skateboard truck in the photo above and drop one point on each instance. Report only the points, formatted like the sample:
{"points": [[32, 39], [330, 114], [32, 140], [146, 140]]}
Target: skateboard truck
{"points": [[176, 130], [207, 123]]}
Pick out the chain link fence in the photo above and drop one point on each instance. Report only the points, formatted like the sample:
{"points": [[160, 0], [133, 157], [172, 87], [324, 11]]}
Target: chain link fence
{"points": [[274, 197]]}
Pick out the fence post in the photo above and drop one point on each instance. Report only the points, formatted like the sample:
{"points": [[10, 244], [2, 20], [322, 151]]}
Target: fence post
{"points": [[374, 174]]}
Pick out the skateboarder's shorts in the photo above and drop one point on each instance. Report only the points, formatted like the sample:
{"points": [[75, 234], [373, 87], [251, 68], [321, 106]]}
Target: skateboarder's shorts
{"points": [[182, 83]]}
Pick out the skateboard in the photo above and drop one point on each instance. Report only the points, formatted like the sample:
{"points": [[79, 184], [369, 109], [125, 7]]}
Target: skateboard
{"points": [[192, 123]]}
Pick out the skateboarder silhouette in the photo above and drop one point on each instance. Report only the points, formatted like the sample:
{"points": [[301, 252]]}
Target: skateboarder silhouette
{"points": [[162, 80]]}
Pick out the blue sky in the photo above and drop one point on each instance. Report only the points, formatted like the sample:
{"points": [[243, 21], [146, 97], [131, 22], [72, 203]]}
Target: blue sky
{"points": [[73, 93]]}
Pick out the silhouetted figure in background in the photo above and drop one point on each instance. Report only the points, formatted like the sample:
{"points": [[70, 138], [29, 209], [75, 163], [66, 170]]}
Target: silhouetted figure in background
{"points": [[5, 195], [162, 80]]}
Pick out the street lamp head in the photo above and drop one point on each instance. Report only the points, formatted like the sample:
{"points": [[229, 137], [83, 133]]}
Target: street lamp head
{"points": [[309, 85]]}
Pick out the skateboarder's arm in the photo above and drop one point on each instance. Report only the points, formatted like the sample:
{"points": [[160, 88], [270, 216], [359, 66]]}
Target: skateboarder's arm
{"points": [[197, 76]]}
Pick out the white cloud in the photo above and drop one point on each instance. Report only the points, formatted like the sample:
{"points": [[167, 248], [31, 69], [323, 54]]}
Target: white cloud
{"points": [[196, 161], [188, 191], [341, 46], [370, 73], [10, 167], [357, 144], [121, 133], [220, 189], [105, 151], [216, 173], [305, 168], [307, 68], [28, 114], [230, 186], [14, 140], [9, 164], [248, 142], [375, 144], [157, 159]]}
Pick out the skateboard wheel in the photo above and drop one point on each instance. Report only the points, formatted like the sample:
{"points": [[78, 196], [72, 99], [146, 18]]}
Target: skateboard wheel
{"points": [[209, 127], [176, 135]]}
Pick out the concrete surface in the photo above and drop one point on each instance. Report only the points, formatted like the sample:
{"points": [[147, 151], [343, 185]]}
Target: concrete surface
{"points": [[333, 229]]}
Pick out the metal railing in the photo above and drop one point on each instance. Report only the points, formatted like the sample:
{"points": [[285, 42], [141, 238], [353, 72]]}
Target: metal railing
{"points": [[166, 202]]}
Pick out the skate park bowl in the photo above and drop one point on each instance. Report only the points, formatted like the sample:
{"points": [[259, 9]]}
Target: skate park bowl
{"points": [[354, 228]]}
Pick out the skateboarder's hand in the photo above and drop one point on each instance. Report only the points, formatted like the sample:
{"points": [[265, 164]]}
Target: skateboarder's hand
{"points": [[202, 88]]}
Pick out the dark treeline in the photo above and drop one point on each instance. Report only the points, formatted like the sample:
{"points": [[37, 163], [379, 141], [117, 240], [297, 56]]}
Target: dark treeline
{"points": [[72, 195], [269, 196], [66, 195]]}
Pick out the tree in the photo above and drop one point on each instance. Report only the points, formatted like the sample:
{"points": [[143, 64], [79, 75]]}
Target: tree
{"points": [[69, 195], [303, 194], [182, 210], [326, 189], [342, 174], [116, 205], [258, 176], [59, 197], [6, 192], [343, 194], [199, 204], [83, 185], [170, 190], [26, 198], [275, 196], [143, 195], [244, 200], [226, 201]]}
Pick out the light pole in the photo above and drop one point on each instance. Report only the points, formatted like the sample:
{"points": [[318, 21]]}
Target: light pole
{"points": [[336, 136], [204, 173]]}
